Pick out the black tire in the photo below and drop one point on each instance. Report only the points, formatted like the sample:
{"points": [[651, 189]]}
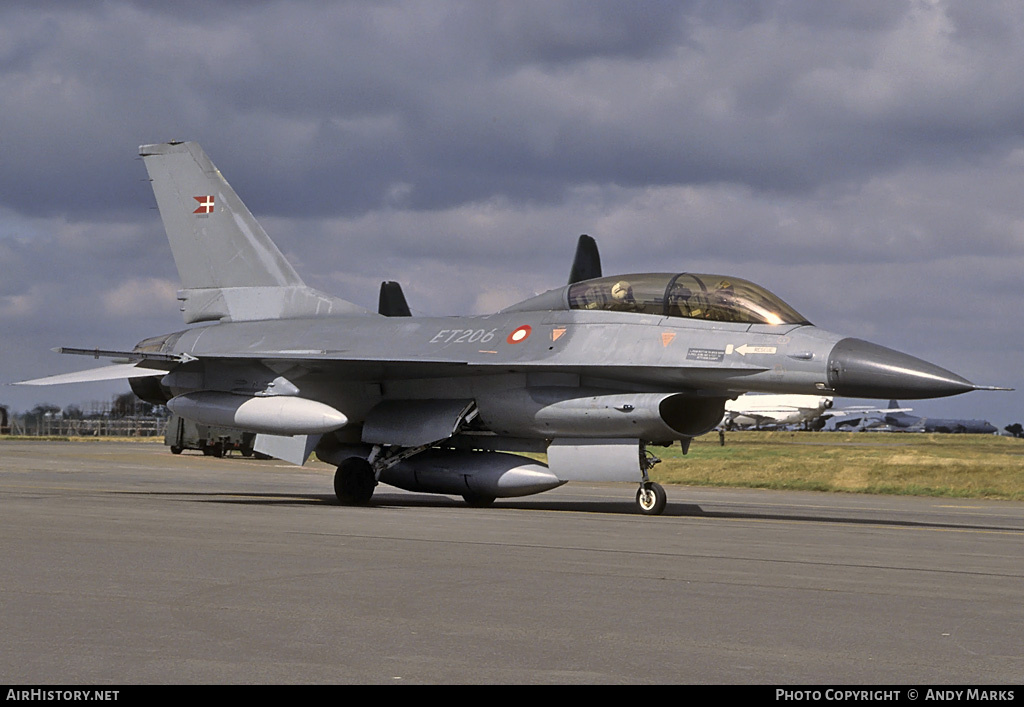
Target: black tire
{"points": [[354, 482], [478, 501], [651, 499]]}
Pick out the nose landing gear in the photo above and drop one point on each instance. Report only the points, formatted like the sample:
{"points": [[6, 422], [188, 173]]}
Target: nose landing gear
{"points": [[650, 497]]}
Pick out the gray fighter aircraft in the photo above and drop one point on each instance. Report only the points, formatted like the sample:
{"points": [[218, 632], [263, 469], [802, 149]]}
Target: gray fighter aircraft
{"points": [[592, 374]]}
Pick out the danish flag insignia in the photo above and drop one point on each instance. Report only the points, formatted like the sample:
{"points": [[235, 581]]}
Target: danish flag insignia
{"points": [[205, 204]]}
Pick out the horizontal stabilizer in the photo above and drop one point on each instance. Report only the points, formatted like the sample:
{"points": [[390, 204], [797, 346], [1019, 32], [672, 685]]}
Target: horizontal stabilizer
{"points": [[119, 371]]}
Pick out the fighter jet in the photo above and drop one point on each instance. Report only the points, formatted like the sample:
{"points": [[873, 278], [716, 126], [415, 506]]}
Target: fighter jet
{"points": [[591, 374]]}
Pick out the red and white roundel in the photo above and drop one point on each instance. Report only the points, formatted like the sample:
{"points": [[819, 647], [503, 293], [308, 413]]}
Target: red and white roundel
{"points": [[519, 334]]}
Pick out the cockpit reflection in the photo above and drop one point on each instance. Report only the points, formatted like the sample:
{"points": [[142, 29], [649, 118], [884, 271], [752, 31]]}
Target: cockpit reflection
{"points": [[693, 296]]}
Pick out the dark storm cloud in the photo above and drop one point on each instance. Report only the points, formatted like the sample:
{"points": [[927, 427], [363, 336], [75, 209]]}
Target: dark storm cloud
{"points": [[462, 101], [865, 159]]}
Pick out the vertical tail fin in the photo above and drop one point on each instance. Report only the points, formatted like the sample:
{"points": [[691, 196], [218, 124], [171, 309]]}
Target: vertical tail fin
{"points": [[229, 267]]}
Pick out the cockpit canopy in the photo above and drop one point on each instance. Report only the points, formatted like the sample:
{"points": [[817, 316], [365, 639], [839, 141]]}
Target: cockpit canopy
{"points": [[709, 297]]}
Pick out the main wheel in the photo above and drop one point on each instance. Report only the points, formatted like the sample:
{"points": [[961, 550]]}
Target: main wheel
{"points": [[354, 482], [651, 499], [475, 501]]}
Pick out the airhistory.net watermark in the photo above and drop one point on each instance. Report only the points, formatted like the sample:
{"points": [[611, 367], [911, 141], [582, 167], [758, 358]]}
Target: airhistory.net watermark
{"points": [[41, 695]]}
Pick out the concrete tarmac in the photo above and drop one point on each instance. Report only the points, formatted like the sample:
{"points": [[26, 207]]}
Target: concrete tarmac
{"points": [[124, 564]]}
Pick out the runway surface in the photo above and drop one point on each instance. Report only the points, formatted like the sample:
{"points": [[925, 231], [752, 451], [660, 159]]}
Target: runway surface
{"points": [[125, 564]]}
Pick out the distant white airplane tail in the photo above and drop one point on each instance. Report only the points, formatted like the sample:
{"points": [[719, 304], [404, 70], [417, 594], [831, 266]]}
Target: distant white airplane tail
{"points": [[229, 267]]}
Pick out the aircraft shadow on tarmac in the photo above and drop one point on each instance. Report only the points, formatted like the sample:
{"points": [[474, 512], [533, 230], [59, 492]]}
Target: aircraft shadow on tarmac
{"points": [[624, 507]]}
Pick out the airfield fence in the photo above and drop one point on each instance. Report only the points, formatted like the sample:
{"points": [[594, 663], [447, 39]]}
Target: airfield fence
{"points": [[118, 427]]}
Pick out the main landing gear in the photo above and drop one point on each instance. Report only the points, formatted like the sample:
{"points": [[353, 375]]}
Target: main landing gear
{"points": [[357, 477], [354, 482]]}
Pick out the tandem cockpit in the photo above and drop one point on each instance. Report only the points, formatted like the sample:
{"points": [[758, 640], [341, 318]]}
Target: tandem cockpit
{"points": [[713, 298]]}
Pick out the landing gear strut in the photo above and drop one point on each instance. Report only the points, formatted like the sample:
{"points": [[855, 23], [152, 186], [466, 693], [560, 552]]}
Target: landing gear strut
{"points": [[354, 482], [650, 497]]}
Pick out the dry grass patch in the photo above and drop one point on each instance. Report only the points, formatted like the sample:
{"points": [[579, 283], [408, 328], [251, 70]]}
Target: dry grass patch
{"points": [[969, 466]]}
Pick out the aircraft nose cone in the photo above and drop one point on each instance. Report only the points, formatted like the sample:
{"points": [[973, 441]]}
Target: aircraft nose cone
{"points": [[860, 369]]}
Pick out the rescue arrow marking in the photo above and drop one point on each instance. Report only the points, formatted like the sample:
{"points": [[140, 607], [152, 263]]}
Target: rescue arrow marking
{"points": [[748, 349]]}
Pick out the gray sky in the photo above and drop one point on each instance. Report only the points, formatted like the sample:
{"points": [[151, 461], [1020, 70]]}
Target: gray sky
{"points": [[863, 160]]}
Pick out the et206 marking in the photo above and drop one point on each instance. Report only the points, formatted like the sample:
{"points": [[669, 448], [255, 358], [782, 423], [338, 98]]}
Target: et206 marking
{"points": [[463, 336]]}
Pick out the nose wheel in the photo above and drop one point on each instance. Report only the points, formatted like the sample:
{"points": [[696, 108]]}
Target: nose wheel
{"points": [[651, 499]]}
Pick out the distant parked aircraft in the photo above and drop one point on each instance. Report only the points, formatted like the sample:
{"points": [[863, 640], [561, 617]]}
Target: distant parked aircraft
{"points": [[764, 412], [897, 419]]}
